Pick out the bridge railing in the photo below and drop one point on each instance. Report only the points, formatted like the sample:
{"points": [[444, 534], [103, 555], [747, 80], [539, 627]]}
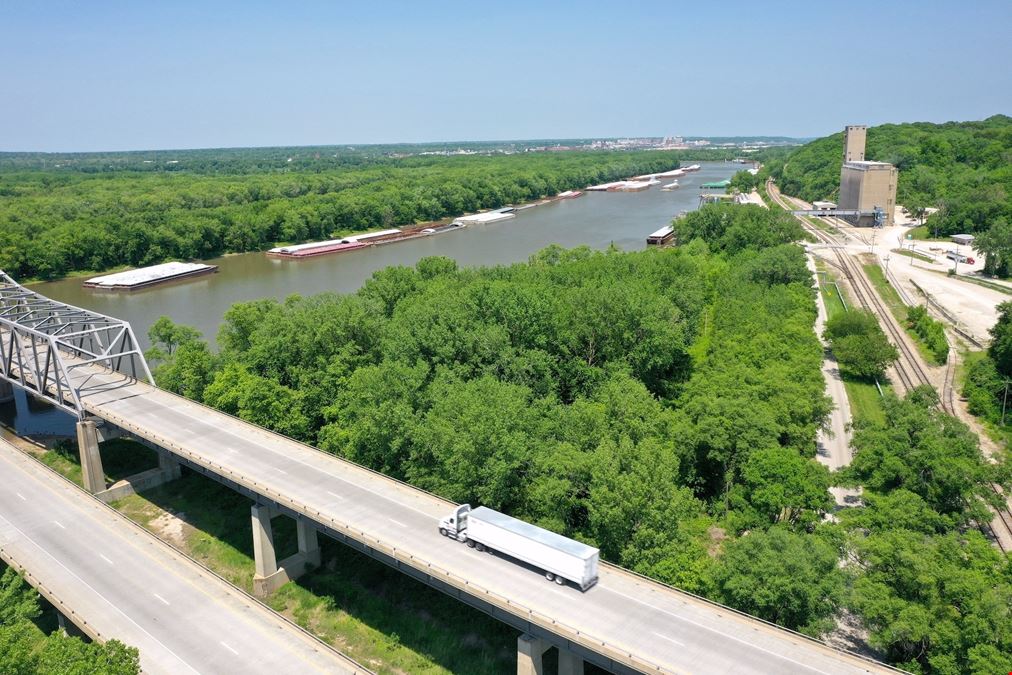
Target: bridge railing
{"points": [[38, 334]]}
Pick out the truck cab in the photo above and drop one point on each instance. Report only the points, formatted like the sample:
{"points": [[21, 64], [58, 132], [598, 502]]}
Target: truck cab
{"points": [[455, 524]]}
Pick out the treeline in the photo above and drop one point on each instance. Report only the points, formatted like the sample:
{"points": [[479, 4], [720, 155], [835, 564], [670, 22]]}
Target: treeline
{"points": [[25, 650], [962, 168], [985, 386], [53, 223], [660, 405]]}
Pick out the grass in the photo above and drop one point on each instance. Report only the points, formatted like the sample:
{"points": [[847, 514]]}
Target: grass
{"points": [[864, 397], [898, 308], [923, 233], [120, 458], [912, 254], [382, 618]]}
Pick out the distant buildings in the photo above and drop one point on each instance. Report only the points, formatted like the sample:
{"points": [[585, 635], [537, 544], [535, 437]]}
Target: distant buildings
{"points": [[865, 185]]}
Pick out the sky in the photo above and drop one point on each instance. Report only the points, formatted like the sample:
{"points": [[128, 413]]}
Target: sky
{"points": [[97, 75]]}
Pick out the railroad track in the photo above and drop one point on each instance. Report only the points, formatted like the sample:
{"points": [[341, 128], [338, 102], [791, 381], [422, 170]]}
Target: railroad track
{"points": [[908, 368]]}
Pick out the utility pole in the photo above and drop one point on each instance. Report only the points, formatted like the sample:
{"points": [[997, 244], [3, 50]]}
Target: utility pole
{"points": [[886, 259]]}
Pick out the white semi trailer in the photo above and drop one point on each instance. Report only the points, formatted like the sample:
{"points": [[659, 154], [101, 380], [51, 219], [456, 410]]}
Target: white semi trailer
{"points": [[560, 558]]}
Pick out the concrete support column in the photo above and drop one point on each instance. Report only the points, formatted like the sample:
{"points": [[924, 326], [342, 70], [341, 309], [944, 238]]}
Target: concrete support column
{"points": [[569, 663], [529, 655], [270, 574], [168, 465], [309, 545], [91, 460], [263, 542]]}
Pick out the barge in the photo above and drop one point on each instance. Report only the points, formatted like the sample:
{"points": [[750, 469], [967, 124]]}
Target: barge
{"points": [[143, 277]]}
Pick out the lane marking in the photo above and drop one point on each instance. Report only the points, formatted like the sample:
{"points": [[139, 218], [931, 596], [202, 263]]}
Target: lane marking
{"points": [[242, 613], [335, 495], [104, 558], [665, 637], [281, 470], [98, 595], [21, 496], [396, 522], [160, 598], [59, 524], [751, 645], [229, 649]]}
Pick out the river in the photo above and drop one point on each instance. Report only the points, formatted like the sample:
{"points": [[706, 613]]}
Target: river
{"points": [[595, 219]]}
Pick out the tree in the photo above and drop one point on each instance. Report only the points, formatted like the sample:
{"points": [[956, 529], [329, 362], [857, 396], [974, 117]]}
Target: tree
{"points": [[783, 577], [996, 245], [166, 336], [859, 344], [1000, 349], [935, 604]]}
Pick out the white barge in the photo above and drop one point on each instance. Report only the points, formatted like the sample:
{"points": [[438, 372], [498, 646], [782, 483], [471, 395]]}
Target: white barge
{"points": [[143, 277]]}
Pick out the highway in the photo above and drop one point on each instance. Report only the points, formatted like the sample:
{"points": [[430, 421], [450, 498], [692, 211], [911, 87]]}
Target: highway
{"points": [[115, 580], [633, 621]]}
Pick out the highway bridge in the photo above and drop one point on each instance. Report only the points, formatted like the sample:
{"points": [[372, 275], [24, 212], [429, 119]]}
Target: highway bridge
{"points": [[626, 623], [113, 579]]}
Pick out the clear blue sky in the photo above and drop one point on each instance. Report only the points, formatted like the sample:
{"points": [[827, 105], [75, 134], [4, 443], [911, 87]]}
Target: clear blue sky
{"points": [[101, 75]]}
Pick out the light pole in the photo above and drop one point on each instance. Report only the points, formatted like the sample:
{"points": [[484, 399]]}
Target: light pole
{"points": [[886, 259]]}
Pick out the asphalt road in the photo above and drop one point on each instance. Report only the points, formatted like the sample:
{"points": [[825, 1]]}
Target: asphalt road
{"points": [[672, 630], [130, 586]]}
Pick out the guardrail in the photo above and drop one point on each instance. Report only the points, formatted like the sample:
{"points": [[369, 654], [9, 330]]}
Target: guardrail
{"points": [[606, 648], [609, 650], [179, 555]]}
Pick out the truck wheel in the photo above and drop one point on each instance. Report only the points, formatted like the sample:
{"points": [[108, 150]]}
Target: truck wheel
{"points": [[560, 581], [443, 531], [470, 543], [549, 576], [480, 546]]}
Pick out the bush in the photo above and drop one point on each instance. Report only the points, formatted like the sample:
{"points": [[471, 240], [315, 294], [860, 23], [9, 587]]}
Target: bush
{"points": [[930, 331]]}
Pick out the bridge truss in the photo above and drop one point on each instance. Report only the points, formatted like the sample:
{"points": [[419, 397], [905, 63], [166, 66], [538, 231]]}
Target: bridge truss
{"points": [[43, 341]]}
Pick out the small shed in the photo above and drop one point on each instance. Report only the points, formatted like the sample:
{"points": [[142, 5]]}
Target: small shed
{"points": [[962, 239], [824, 206]]}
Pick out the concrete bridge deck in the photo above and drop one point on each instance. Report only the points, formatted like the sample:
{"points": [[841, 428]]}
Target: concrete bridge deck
{"points": [[115, 580], [625, 622]]}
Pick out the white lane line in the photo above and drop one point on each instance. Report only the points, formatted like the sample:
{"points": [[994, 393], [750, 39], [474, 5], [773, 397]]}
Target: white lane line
{"points": [[160, 598], [21, 496], [281, 471], [751, 645], [99, 595], [396, 522], [225, 645], [104, 558], [59, 524], [665, 637], [335, 495]]}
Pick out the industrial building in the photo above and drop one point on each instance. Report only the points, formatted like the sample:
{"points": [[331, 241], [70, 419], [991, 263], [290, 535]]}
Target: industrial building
{"points": [[866, 185]]}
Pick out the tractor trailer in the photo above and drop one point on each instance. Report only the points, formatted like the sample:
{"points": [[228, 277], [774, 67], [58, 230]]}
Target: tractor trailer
{"points": [[560, 558]]}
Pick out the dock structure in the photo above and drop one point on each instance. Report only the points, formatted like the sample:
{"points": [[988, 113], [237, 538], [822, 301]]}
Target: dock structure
{"points": [[144, 277], [662, 236]]}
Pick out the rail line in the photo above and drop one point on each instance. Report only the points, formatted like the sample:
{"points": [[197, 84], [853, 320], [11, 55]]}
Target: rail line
{"points": [[916, 375], [908, 368]]}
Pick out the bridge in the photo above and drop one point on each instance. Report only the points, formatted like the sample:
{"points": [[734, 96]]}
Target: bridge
{"points": [[113, 579], [626, 623]]}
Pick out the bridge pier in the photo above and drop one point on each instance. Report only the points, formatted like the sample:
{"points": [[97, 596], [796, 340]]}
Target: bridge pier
{"points": [[270, 575], [93, 475], [6, 391], [531, 652]]}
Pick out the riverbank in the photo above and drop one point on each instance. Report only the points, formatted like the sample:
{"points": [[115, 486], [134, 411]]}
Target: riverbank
{"points": [[597, 220]]}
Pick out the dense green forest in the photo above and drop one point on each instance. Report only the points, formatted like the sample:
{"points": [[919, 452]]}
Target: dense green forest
{"points": [[962, 168], [26, 650], [661, 405], [54, 222]]}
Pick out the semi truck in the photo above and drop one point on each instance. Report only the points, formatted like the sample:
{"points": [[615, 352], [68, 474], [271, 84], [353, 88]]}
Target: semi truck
{"points": [[559, 558]]}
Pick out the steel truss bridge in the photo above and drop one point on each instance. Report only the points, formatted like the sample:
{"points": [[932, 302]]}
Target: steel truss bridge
{"points": [[37, 335]]}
